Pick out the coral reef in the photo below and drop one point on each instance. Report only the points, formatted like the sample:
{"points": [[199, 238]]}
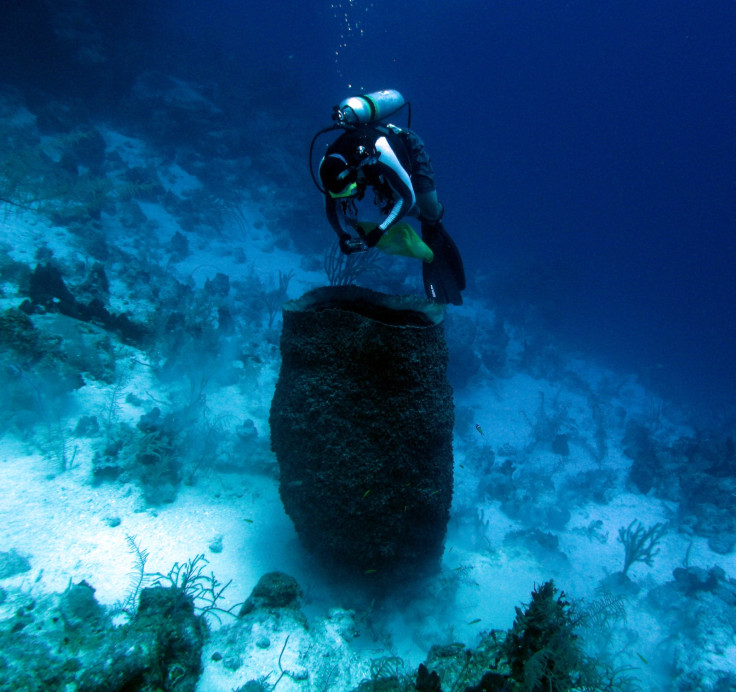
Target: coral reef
{"points": [[69, 640]]}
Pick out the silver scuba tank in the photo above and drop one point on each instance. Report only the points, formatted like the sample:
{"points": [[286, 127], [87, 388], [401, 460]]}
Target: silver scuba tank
{"points": [[366, 108]]}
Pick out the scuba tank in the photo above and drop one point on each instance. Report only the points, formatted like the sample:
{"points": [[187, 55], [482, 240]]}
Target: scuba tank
{"points": [[359, 111], [367, 108]]}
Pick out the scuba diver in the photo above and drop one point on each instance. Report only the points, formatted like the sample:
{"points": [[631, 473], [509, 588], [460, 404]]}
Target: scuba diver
{"points": [[392, 163]]}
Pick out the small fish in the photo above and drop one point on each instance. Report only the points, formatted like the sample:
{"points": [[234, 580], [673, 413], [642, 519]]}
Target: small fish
{"points": [[366, 493], [370, 571], [642, 658], [474, 622], [248, 521], [479, 429]]}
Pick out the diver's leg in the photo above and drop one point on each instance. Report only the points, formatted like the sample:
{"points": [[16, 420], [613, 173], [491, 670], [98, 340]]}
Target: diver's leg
{"points": [[422, 178], [444, 277], [430, 209]]}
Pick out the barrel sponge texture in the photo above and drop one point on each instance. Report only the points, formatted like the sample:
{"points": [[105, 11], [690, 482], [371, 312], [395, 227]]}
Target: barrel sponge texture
{"points": [[361, 424]]}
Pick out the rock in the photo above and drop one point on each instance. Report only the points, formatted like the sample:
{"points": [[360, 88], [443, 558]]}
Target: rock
{"points": [[218, 287], [216, 544], [639, 446], [49, 293], [85, 148], [273, 590], [79, 347], [48, 290], [620, 584], [344, 623], [232, 662], [722, 543], [178, 247], [69, 642], [246, 431], [18, 333], [96, 285], [694, 579], [80, 609], [107, 466], [12, 563], [87, 426]]}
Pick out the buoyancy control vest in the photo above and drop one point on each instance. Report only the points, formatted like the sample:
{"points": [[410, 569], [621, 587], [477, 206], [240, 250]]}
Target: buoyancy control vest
{"points": [[358, 145]]}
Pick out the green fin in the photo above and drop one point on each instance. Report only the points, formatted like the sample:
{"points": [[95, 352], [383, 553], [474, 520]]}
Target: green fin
{"points": [[401, 239]]}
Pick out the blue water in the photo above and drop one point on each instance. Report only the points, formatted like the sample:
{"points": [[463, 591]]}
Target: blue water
{"points": [[585, 151]]}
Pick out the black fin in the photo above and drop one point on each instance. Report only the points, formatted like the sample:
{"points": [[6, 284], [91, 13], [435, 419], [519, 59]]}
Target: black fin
{"points": [[444, 276]]}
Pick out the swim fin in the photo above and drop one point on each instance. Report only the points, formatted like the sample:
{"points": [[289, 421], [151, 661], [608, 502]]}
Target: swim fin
{"points": [[444, 276]]}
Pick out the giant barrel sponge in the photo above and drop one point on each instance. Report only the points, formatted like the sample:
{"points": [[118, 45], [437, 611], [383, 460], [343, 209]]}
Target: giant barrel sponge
{"points": [[361, 423]]}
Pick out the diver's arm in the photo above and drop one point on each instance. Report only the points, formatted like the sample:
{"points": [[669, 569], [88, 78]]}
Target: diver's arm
{"points": [[396, 176], [336, 219], [332, 217], [400, 208]]}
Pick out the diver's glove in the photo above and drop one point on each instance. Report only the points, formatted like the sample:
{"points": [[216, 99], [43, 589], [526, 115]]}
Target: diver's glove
{"points": [[372, 237], [349, 245]]}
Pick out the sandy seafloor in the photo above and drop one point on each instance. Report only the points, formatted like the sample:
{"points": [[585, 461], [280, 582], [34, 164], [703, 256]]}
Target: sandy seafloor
{"points": [[64, 524]]}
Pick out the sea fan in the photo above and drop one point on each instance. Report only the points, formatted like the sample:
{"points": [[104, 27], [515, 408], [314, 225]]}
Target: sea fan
{"points": [[137, 575]]}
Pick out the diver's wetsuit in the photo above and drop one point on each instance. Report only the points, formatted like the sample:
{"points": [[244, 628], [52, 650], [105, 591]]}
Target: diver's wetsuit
{"points": [[394, 163], [398, 167]]}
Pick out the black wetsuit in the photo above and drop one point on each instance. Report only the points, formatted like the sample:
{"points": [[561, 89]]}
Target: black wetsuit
{"points": [[386, 169]]}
